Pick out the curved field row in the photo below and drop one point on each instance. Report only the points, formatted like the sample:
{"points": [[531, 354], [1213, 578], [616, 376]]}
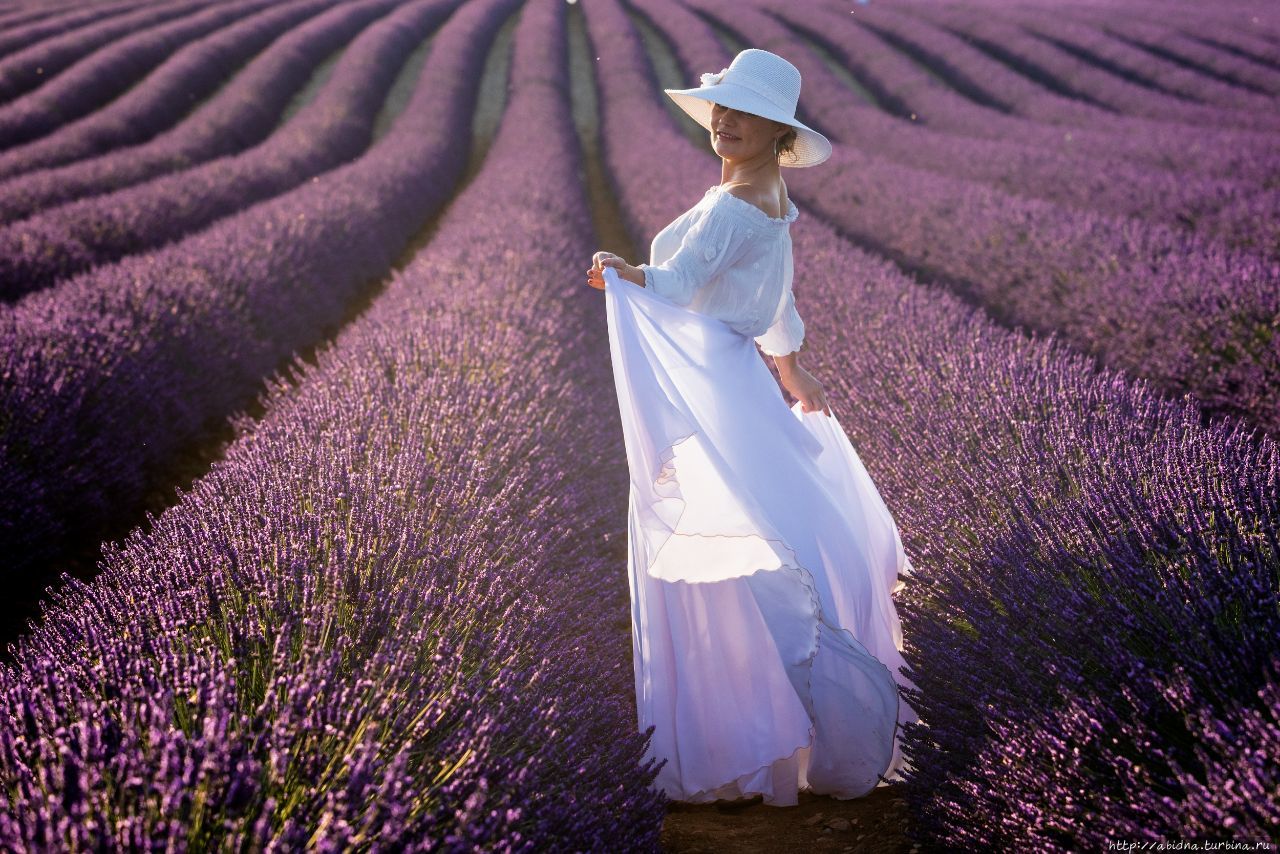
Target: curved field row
{"points": [[1073, 528], [1149, 71], [1027, 111], [1251, 28], [1233, 67], [24, 30], [1156, 302], [115, 371], [1105, 182], [108, 72], [330, 130], [1078, 78], [165, 95], [403, 650], [995, 92], [241, 114]]}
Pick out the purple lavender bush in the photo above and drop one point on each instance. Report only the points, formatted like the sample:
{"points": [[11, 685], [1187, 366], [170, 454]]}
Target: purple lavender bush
{"points": [[165, 95], [22, 28], [106, 73], [37, 53], [241, 114], [1222, 48], [1174, 83], [1013, 106], [380, 621], [110, 375], [1079, 541], [1058, 62], [330, 130], [1101, 179]]}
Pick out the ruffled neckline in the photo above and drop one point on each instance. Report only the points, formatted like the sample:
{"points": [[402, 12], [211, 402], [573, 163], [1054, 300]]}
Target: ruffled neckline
{"points": [[753, 211]]}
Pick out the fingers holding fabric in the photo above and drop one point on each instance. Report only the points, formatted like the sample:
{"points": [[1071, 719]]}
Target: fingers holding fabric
{"points": [[600, 260]]}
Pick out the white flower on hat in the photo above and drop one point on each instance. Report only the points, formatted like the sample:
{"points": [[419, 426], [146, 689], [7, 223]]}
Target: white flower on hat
{"points": [[712, 79]]}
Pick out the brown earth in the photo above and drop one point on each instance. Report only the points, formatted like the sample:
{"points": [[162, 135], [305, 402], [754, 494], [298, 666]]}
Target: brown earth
{"points": [[875, 823]]}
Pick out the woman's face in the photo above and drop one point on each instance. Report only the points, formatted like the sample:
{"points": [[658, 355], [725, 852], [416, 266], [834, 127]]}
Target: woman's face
{"points": [[736, 135]]}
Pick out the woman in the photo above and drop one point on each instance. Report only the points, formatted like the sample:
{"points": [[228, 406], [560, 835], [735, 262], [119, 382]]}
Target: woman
{"points": [[762, 560]]}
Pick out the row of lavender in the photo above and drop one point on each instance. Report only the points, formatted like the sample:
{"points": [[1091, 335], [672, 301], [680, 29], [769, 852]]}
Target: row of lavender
{"points": [[331, 129], [242, 113], [1238, 44], [1164, 86], [946, 83], [19, 13], [406, 645], [1094, 568], [36, 54], [1052, 53], [107, 73], [1012, 106], [109, 375], [1157, 302], [1095, 163], [1247, 217], [165, 95]]}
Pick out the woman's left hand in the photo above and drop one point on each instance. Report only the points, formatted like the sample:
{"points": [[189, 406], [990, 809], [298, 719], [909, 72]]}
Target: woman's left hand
{"points": [[805, 387]]}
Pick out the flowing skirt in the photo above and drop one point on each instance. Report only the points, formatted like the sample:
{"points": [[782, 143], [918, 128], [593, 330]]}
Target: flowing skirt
{"points": [[762, 561]]}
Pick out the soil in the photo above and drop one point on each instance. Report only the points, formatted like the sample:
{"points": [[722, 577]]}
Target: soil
{"points": [[875, 823]]}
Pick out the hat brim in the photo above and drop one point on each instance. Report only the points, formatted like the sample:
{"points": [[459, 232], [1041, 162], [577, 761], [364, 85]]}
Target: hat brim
{"points": [[811, 147]]}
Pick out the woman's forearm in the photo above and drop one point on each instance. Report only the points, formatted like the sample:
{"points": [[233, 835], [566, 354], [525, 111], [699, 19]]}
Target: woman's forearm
{"points": [[788, 363], [635, 275]]}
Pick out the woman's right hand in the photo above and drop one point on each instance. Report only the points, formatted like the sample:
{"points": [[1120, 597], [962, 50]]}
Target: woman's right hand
{"points": [[595, 275]]}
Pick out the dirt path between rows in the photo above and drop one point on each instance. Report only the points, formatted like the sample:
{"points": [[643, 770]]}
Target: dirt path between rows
{"points": [[875, 823]]}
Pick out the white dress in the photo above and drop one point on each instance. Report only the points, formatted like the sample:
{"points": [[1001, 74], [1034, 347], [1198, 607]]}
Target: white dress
{"points": [[761, 558]]}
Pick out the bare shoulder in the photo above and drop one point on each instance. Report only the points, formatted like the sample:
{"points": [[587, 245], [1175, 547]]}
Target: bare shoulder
{"points": [[765, 200]]}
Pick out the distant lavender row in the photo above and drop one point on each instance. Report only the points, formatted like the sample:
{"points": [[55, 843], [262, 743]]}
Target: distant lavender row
{"points": [[24, 29], [1156, 302], [1102, 181], [113, 372], [1001, 36], [1220, 47], [1241, 70], [239, 115], [1074, 535], [166, 95], [386, 618], [1258, 53], [330, 130], [110, 71], [1075, 127], [18, 14], [1253, 29]]}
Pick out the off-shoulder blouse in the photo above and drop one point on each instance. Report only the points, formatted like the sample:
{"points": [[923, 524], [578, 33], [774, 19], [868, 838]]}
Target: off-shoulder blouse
{"points": [[727, 258]]}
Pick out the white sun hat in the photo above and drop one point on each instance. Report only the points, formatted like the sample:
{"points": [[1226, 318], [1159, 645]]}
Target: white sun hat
{"points": [[761, 83]]}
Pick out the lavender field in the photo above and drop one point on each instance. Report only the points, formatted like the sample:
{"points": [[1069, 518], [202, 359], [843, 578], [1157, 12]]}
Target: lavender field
{"points": [[313, 494]]}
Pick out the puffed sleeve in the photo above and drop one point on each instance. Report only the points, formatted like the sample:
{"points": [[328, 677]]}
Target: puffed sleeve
{"points": [[787, 332], [717, 240]]}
